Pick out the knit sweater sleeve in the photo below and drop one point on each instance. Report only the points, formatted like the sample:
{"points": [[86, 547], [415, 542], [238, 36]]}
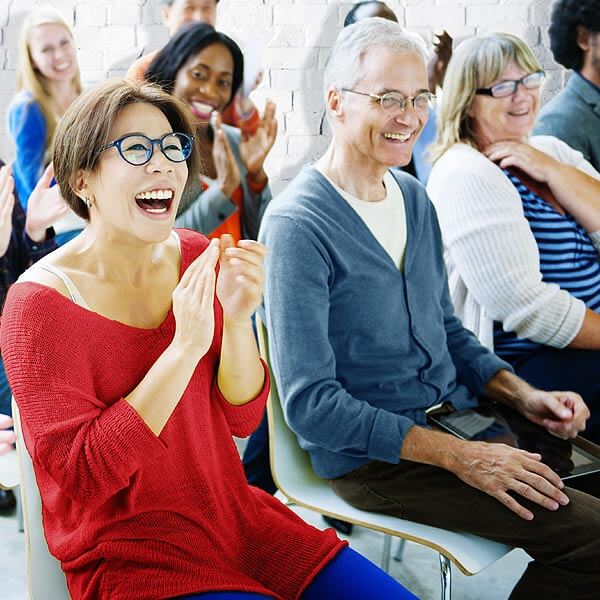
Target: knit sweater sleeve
{"points": [[297, 303], [489, 241], [90, 448], [27, 126]]}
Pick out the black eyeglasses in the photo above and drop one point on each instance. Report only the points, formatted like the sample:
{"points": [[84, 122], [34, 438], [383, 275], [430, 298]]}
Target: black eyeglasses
{"points": [[531, 81], [393, 103], [137, 149]]}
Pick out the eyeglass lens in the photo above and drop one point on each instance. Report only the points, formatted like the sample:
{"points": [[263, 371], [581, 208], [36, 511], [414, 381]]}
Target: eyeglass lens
{"points": [[507, 88], [394, 102], [138, 149]]}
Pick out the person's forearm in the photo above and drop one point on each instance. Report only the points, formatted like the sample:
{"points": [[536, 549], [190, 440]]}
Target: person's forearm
{"points": [[578, 193], [241, 375], [588, 337], [159, 392], [507, 388], [259, 178], [431, 448]]}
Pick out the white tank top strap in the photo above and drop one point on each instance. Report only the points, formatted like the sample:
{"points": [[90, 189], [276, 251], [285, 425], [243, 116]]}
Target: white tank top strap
{"points": [[71, 287], [175, 235]]}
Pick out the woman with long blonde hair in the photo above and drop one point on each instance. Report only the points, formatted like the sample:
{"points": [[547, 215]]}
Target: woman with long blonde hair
{"points": [[48, 81]]}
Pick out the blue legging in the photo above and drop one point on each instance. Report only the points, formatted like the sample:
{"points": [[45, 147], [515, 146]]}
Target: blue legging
{"points": [[349, 576]]}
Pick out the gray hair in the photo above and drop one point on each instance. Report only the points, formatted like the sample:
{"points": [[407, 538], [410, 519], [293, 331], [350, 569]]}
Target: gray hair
{"points": [[343, 68]]}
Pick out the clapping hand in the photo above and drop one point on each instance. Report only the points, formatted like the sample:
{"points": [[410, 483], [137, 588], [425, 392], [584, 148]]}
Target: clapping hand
{"points": [[45, 207], [7, 203], [228, 173], [442, 53], [254, 149], [241, 278]]}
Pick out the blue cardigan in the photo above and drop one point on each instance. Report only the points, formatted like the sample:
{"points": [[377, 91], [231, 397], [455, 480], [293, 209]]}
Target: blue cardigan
{"points": [[27, 127], [360, 349]]}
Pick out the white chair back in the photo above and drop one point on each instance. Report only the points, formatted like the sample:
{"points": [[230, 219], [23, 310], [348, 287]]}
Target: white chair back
{"points": [[45, 577]]}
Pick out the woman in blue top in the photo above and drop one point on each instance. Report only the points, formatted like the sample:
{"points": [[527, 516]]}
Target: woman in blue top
{"points": [[48, 81]]}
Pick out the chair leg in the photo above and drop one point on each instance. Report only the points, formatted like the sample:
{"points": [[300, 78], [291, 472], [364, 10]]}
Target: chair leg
{"points": [[387, 550], [446, 573], [19, 510], [399, 550]]}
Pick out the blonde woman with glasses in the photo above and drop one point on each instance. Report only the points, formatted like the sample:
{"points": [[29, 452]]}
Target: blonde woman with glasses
{"points": [[520, 218], [48, 81]]}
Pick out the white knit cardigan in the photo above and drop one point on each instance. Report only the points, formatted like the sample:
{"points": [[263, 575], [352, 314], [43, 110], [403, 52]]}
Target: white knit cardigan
{"points": [[491, 255]]}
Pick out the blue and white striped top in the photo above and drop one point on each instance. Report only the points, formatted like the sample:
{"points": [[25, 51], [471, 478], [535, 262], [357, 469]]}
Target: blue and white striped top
{"points": [[567, 258]]}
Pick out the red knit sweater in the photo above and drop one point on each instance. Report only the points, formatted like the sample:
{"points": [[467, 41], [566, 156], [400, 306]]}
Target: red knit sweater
{"points": [[131, 515]]}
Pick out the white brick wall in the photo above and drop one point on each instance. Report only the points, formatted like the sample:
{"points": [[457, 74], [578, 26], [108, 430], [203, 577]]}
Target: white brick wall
{"points": [[110, 33]]}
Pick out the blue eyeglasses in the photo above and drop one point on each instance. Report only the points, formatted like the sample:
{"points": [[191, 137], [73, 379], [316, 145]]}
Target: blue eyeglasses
{"points": [[137, 149]]}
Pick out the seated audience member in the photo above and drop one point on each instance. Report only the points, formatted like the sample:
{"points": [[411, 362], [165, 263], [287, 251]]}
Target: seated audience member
{"points": [[420, 163], [133, 363], [241, 112], [205, 68], [22, 242], [47, 83], [573, 115], [363, 338], [520, 219]]}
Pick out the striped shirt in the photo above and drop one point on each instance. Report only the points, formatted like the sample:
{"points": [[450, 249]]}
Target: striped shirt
{"points": [[567, 258]]}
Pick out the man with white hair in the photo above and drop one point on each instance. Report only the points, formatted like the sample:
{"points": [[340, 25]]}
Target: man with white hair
{"points": [[363, 338]]}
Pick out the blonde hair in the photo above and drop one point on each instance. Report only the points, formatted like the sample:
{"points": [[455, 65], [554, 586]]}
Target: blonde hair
{"points": [[476, 63], [80, 137], [30, 79]]}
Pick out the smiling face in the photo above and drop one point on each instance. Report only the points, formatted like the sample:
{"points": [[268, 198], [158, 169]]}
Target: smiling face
{"points": [[363, 128], [510, 118], [181, 12], [205, 80], [52, 52], [139, 201]]}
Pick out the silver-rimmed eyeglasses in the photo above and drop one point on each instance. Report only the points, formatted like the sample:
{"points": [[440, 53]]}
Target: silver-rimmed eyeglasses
{"points": [[137, 149], [508, 87], [393, 103]]}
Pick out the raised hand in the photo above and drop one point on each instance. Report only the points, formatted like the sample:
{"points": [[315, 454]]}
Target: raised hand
{"points": [[7, 438], [228, 173], [241, 278], [254, 149], [45, 206], [193, 304], [499, 470], [7, 203], [442, 53]]}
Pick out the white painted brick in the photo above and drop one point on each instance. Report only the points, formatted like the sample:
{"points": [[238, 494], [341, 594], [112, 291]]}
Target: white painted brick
{"points": [[419, 16], [291, 58], [152, 36], [116, 36], [321, 16], [124, 14], [494, 16], [294, 79], [90, 15], [152, 14], [286, 36], [90, 60]]}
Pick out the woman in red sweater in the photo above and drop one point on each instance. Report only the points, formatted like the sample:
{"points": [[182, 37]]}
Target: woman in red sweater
{"points": [[132, 358]]}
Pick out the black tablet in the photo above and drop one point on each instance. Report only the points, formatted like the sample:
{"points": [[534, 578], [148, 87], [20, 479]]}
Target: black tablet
{"points": [[497, 423]]}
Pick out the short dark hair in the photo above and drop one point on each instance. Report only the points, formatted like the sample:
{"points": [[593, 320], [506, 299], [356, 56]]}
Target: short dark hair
{"points": [[79, 136], [351, 16], [189, 40], [567, 15]]}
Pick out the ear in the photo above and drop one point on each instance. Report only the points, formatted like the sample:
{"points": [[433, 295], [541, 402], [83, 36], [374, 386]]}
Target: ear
{"points": [[81, 185], [334, 103], [583, 38]]}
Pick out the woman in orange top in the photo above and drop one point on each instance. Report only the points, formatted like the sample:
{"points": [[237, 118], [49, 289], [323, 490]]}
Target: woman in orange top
{"points": [[205, 68]]}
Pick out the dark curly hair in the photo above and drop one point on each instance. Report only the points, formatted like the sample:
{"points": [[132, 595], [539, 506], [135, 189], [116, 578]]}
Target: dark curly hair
{"points": [[567, 15], [351, 17]]}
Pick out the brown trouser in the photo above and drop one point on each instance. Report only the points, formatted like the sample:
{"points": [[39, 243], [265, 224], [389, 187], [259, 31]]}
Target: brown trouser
{"points": [[565, 544]]}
